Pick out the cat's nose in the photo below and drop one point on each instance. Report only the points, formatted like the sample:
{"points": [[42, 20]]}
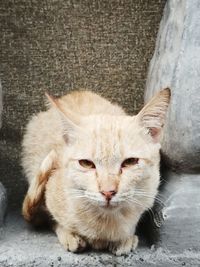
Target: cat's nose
{"points": [[108, 194]]}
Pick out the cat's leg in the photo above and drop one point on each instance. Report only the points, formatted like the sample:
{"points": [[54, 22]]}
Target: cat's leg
{"points": [[70, 241], [124, 247], [34, 200]]}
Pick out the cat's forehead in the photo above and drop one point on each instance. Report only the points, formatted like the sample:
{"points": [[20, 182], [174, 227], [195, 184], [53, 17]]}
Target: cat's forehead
{"points": [[111, 137], [114, 128], [106, 129], [106, 135]]}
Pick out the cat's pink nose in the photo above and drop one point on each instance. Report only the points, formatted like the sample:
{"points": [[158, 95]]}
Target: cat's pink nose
{"points": [[108, 194]]}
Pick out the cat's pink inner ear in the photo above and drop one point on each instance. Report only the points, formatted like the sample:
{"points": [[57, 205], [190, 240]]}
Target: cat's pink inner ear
{"points": [[155, 133], [152, 116]]}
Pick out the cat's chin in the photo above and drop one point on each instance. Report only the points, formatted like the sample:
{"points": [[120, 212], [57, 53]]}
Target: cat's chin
{"points": [[109, 206]]}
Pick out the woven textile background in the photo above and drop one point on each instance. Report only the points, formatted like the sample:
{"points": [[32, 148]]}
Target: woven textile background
{"points": [[62, 45]]}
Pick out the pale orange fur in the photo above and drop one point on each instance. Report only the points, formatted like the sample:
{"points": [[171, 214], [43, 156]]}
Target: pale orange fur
{"points": [[83, 125]]}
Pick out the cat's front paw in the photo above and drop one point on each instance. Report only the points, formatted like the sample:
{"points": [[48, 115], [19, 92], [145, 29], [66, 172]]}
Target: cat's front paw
{"points": [[71, 242], [125, 247]]}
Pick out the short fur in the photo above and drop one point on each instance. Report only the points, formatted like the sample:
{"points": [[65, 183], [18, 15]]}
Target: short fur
{"points": [[83, 125]]}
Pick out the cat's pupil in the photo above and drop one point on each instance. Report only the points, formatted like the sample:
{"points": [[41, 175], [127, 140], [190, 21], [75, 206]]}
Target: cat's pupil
{"points": [[87, 163], [129, 162]]}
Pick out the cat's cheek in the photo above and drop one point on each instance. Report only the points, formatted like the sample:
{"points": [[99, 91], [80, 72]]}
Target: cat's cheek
{"points": [[132, 175], [87, 171], [78, 168], [83, 179], [127, 181], [145, 170]]}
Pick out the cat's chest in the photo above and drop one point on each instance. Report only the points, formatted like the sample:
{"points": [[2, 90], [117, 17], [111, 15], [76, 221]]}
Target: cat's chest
{"points": [[105, 226]]}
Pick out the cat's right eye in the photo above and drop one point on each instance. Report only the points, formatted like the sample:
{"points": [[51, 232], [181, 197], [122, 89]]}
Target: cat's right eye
{"points": [[129, 162], [85, 163]]}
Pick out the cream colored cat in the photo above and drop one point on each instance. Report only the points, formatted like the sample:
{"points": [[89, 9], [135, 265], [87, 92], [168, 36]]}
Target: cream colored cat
{"points": [[93, 168]]}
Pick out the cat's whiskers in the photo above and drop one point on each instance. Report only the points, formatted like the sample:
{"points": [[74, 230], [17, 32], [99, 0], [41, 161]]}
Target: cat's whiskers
{"points": [[125, 197], [160, 201], [89, 197], [131, 201], [142, 193], [95, 197]]}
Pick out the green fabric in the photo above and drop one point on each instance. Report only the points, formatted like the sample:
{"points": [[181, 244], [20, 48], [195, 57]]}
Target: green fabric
{"points": [[58, 46]]}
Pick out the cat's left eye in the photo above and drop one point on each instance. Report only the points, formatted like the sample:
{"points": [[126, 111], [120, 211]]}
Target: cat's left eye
{"points": [[85, 163], [129, 162]]}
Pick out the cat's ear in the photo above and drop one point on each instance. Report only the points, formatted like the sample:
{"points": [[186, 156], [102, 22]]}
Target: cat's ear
{"points": [[152, 116], [70, 121]]}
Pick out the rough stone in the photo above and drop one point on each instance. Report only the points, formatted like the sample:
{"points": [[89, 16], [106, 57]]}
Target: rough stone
{"points": [[3, 198], [176, 64], [3, 203], [1, 105]]}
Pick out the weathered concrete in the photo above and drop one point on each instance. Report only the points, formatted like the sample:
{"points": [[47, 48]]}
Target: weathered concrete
{"points": [[178, 240], [176, 63], [1, 105], [3, 203], [3, 196], [181, 229]]}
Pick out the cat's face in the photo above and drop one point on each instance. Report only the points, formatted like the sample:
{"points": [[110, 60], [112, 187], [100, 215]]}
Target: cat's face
{"points": [[112, 162]]}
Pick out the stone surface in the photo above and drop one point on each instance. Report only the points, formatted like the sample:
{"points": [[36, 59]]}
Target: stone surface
{"points": [[3, 203], [176, 63], [181, 229], [178, 239], [1, 105], [58, 46], [3, 196]]}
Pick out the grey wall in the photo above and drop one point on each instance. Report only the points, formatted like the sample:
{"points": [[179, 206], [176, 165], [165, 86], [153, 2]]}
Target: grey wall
{"points": [[1, 105], [103, 45], [3, 198], [176, 63]]}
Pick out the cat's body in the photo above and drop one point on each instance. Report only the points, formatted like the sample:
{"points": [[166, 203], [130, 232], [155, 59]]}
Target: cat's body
{"points": [[95, 169]]}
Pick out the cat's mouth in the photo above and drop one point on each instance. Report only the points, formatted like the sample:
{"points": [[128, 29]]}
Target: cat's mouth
{"points": [[106, 204], [98, 200], [109, 204]]}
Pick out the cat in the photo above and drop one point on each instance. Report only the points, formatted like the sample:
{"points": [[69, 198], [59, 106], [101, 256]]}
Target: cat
{"points": [[93, 168]]}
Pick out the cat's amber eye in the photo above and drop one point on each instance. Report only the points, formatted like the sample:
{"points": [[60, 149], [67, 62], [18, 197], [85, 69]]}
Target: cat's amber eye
{"points": [[85, 163], [129, 162]]}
